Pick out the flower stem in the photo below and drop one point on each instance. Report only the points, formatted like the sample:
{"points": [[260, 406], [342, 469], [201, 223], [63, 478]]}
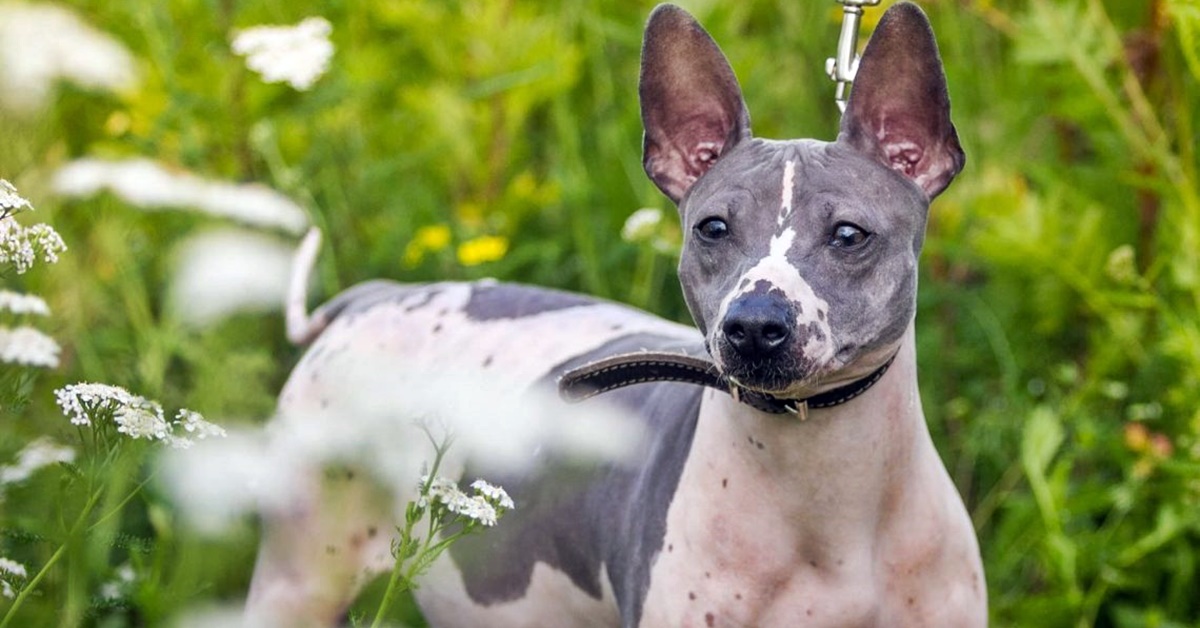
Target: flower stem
{"points": [[398, 573], [54, 558]]}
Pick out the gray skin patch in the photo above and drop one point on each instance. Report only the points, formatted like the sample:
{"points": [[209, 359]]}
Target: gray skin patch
{"points": [[497, 301], [577, 519]]}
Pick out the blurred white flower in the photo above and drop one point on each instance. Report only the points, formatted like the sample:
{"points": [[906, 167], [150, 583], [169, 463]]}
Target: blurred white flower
{"points": [[19, 303], [223, 272], [641, 225], [35, 456], [10, 570], [380, 427], [215, 482], [297, 55], [149, 185], [41, 44], [120, 584], [28, 346]]}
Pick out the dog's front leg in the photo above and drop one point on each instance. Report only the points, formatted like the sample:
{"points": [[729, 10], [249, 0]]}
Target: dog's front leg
{"points": [[316, 555]]}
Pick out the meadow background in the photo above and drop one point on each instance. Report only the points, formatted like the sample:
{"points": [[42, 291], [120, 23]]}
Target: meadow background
{"points": [[1059, 319]]}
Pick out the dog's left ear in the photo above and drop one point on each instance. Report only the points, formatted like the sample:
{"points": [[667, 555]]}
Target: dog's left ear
{"points": [[899, 109]]}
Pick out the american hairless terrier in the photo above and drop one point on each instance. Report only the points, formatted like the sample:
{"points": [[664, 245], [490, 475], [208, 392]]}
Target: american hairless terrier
{"points": [[787, 475]]}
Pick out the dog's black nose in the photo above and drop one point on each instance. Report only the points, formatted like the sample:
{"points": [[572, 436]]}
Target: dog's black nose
{"points": [[757, 325]]}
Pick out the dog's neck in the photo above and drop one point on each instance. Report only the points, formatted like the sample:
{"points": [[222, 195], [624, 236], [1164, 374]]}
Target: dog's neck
{"points": [[832, 479]]}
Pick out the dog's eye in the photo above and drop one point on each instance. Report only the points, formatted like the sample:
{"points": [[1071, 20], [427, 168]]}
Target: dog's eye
{"points": [[712, 229], [848, 236]]}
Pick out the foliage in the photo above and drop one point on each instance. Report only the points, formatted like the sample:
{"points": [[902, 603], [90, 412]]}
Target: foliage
{"points": [[1059, 328]]}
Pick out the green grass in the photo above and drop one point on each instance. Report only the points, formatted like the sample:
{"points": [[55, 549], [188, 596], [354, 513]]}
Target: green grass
{"points": [[1059, 329]]}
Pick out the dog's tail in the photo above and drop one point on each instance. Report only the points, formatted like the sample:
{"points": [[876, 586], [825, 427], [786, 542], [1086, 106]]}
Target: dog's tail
{"points": [[301, 327]]}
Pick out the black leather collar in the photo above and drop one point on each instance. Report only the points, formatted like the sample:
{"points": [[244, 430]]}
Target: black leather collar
{"points": [[626, 369]]}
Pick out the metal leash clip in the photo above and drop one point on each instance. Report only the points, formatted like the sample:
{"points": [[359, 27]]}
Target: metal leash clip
{"points": [[843, 67]]}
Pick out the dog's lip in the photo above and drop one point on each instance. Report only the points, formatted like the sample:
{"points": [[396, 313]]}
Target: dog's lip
{"points": [[795, 389]]}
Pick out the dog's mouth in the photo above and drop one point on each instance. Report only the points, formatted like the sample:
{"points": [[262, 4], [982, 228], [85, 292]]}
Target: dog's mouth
{"points": [[779, 375]]}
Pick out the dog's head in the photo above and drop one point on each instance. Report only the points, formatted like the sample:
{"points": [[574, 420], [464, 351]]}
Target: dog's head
{"points": [[799, 262]]}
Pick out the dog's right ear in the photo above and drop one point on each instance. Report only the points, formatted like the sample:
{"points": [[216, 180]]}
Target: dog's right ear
{"points": [[692, 107]]}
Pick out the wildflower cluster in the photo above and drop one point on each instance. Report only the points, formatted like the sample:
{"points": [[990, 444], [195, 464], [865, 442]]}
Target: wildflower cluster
{"points": [[297, 55], [443, 496], [646, 226], [37, 455], [150, 185], [66, 50], [28, 346], [88, 404], [21, 246], [11, 572], [18, 303], [641, 225]]}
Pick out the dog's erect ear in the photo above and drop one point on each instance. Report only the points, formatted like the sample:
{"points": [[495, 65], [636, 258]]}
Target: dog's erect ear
{"points": [[899, 110], [692, 106]]}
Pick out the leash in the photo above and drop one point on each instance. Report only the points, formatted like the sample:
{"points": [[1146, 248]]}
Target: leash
{"points": [[626, 369], [844, 66]]}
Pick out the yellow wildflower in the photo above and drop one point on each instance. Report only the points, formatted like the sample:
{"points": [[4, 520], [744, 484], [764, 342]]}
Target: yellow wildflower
{"points": [[427, 239], [482, 249]]}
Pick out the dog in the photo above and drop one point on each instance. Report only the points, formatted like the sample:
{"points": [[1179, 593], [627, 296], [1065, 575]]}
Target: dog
{"points": [[787, 476]]}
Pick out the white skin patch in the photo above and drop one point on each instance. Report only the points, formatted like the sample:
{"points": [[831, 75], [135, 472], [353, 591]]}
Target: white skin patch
{"points": [[785, 201], [781, 274]]}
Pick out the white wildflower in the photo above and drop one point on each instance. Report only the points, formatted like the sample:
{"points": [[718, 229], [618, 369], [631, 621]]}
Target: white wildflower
{"points": [[641, 225], [119, 586], [134, 415], [148, 185], [15, 247], [446, 492], [194, 424], [79, 401], [496, 495], [28, 346], [297, 55], [12, 568], [35, 456], [21, 246], [45, 241], [10, 201], [41, 44], [220, 273], [19, 303], [142, 418], [477, 508], [441, 490]]}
